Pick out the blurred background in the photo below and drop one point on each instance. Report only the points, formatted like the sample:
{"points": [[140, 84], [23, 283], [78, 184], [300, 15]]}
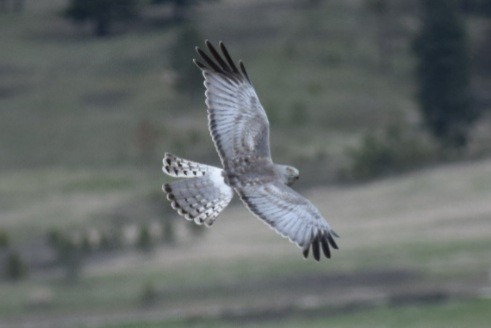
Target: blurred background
{"points": [[384, 106]]}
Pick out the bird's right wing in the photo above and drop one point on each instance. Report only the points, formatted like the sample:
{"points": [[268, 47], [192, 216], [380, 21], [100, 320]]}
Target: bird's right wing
{"points": [[237, 121], [291, 215]]}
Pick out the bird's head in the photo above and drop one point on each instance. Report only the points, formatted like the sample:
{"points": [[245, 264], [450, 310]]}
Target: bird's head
{"points": [[288, 174]]}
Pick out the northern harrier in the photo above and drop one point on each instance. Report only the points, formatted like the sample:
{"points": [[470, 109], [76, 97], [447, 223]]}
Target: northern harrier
{"points": [[240, 131]]}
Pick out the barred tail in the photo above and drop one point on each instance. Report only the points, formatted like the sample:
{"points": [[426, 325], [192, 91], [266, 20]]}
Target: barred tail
{"points": [[200, 198], [183, 168]]}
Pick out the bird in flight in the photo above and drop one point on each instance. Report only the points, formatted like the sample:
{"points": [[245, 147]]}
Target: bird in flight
{"points": [[239, 128]]}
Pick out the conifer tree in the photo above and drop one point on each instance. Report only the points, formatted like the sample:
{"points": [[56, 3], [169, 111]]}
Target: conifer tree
{"points": [[443, 73]]}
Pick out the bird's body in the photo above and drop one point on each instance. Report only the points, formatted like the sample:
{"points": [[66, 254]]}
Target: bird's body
{"points": [[240, 131]]}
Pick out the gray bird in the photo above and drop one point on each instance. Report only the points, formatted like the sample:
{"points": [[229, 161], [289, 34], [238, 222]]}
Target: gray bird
{"points": [[239, 128]]}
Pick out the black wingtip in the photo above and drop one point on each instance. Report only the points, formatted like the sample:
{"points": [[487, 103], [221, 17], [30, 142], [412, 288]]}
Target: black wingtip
{"points": [[199, 64], [305, 252], [218, 58], [228, 58], [244, 72], [325, 247], [321, 240], [315, 249], [209, 61], [220, 63], [332, 242]]}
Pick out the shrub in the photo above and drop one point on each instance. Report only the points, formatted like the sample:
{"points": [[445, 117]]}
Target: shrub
{"points": [[111, 241], [145, 242], [149, 294], [395, 149], [15, 268], [71, 258], [69, 253], [85, 244], [4, 239]]}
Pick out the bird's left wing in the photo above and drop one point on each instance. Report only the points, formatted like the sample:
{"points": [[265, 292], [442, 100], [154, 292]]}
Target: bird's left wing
{"points": [[237, 121], [291, 215]]}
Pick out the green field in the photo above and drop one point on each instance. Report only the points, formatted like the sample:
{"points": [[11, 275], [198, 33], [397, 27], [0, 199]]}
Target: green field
{"points": [[415, 248], [455, 314]]}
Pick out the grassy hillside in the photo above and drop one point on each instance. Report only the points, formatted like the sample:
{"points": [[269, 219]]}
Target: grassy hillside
{"points": [[70, 99]]}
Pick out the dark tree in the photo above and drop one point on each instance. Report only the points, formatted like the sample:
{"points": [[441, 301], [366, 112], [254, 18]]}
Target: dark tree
{"points": [[189, 80], [443, 73], [12, 5], [477, 7], [180, 8], [481, 54], [313, 3], [102, 13]]}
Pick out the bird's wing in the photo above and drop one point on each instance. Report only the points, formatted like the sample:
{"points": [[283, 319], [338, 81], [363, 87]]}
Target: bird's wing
{"points": [[237, 121], [291, 215]]}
